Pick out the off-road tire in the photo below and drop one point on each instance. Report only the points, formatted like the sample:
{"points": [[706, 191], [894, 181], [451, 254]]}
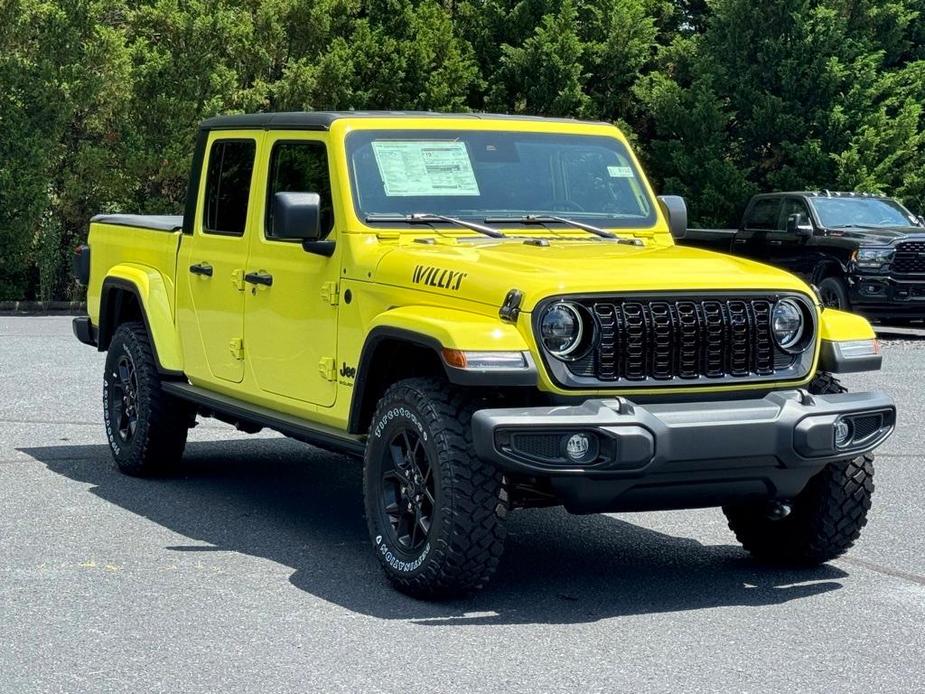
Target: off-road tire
{"points": [[162, 421], [466, 530], [826, 518], [835, 292]]}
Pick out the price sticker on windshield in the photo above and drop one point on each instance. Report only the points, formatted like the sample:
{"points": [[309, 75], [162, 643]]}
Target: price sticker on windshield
{"points": [[420, 168], [620, 171]]}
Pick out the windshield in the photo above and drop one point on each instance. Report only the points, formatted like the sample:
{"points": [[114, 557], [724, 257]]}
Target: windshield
{"points": [[480, 174], [865, 212]]}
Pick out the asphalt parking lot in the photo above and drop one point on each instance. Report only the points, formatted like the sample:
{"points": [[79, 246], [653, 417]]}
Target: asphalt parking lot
{"points": [[250, 571]]}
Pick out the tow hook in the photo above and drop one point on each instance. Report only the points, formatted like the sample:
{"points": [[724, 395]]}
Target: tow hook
{"points": [[778, 510]]}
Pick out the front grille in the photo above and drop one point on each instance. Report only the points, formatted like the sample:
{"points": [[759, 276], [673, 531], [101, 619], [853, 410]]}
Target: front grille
{"points": [[683, 339], [909, 258]]}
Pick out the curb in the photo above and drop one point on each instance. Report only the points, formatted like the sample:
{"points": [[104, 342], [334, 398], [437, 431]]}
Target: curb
{"points": [[13, 308]]}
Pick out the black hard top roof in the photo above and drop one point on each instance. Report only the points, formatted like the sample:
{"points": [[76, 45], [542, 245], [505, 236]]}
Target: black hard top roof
{"points": [[321, 120]]}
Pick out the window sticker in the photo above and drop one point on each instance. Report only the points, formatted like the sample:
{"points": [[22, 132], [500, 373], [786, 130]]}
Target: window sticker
{"points": [[620, 171], [425, 168]]}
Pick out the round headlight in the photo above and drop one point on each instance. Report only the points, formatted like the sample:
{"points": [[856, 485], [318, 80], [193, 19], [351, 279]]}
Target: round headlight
{"points": [[787, 323], [561, 329]]}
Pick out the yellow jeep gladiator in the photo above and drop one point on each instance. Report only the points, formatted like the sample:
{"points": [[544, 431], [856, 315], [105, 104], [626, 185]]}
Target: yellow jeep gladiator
{"points": [[490, 311]]}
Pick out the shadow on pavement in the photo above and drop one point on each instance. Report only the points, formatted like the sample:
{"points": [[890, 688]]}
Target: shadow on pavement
{"points": [[303, 508]]}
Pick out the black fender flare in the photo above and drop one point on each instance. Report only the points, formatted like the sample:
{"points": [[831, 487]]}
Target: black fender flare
{"points": [[824, 269], [376, 337]]}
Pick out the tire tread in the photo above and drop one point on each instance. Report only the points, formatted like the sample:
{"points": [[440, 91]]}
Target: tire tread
{"points": [[163, 438], [464, 561]]}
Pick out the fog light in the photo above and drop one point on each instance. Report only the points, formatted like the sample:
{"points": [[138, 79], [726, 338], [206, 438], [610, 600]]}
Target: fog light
{"points": [[842, 433], [581, 447]]}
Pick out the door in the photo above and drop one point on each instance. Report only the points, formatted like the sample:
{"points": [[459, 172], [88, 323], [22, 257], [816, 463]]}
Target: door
{"points": [[760, 220], [211, 264], [291, 297], [789, 250]]}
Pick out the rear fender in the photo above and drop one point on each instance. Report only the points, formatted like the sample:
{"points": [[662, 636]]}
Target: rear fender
{"points": [[153, 296]]}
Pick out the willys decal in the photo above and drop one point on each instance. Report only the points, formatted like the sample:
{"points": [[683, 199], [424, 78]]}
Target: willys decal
{"points": [[438, 277]]}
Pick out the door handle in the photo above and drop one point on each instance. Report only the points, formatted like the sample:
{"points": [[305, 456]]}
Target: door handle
{"points": [[261, 277], [775, 242], [203, 269]]}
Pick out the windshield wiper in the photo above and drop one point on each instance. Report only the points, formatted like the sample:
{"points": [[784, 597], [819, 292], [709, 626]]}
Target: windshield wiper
{"points": [[430, 217], [546, 218]]}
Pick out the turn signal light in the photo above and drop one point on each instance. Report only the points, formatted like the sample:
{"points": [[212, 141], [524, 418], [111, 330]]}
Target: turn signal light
{"points": [[461, 359]]}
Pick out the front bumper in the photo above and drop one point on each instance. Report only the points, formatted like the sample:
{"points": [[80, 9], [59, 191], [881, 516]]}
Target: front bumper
{"points": [[678, 455], [886, 296]]}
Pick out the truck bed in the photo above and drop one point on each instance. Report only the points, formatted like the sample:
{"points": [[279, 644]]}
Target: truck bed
{"points": [[158, 222], [711, 239], [132, 246]]}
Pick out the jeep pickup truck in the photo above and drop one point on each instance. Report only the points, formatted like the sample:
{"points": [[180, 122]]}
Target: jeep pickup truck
{"points": [[493, 314], [865, 253]]}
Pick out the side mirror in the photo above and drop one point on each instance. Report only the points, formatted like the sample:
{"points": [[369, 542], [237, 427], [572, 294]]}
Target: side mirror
{"points": [[921, 220], [796, 226], [297, 216], [675, 209]]}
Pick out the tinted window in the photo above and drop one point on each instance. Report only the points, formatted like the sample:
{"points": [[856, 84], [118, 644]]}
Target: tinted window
{"points": [[478, 174], [764, 214], [228, 183], [796, 206], [300, 167]]}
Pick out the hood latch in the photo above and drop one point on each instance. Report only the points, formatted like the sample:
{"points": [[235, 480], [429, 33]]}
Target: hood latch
{"points": [[510, 309]]}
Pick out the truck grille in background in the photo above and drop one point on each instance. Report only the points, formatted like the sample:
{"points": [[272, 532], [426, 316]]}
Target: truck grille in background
{"points": [[664, 339], [909, 258]]}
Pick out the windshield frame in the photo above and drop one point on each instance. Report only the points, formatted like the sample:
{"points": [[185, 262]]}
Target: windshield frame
{"points": [[622, 148], [910, 219]]}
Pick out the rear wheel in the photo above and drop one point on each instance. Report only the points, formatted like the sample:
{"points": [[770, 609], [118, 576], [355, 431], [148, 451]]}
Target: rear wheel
{"points": [[434, 510], [826, 518], [145, 426], [834, 293]]}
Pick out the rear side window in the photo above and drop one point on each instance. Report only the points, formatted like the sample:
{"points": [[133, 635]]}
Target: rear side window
{"points": [[764, 214], [300, 167], [228, 184]]}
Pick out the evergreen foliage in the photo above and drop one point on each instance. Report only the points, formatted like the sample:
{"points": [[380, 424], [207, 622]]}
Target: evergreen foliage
{"points": [[99, 99]]}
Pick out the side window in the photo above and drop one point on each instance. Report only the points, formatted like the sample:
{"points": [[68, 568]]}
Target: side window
{"points": [[300, 167], [764, 214], [795, 206], [228, 185]]}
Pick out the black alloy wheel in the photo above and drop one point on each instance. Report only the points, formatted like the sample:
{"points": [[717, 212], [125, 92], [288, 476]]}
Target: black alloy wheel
{"points": [[435, 512], [124, 401], [407, 489], [145, 426]]}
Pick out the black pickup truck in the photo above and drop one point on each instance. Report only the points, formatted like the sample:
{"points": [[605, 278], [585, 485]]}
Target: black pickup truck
{"points": [[865, 253]]}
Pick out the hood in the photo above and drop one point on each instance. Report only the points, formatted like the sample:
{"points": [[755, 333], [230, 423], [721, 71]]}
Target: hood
{"points": [[486, 271], [877, 236]]}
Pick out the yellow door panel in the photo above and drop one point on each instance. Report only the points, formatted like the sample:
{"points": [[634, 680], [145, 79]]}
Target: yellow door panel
{"points": [[290, 329], [211, 264]]}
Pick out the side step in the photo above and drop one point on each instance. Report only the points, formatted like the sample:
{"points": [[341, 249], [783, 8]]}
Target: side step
{"points": [[315, 434]]}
